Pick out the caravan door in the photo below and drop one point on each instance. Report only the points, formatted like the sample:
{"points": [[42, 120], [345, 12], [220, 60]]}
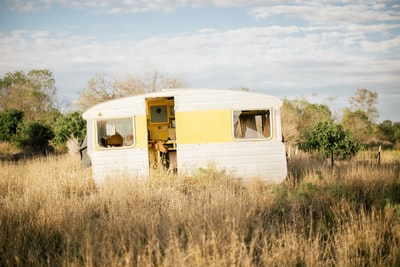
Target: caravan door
{"points": [[161, 127]]}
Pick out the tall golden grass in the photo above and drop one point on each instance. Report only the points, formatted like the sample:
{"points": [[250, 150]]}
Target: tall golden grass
{"points": [[51, 214]]}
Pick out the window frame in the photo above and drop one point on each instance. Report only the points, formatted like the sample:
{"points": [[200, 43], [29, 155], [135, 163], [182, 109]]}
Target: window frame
{"points": [[100, 146], [235, 119], [162, 107]]}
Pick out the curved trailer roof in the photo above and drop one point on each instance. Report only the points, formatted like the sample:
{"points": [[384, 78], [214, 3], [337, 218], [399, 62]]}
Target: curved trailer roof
{"points": [[186, 99]]}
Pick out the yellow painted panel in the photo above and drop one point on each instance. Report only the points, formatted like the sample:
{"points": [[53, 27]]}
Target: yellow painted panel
{"points": [[141, 131], [204, 126]]}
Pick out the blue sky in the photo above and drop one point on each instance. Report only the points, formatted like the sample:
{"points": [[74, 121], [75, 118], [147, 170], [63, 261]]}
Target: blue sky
{"points": [[296, 48]]}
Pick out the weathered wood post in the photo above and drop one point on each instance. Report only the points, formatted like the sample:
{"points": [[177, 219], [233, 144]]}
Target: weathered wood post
{"points": [[378, 157]]}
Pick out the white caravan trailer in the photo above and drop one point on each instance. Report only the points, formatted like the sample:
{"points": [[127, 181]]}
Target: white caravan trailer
{"points": [[187, 129]]}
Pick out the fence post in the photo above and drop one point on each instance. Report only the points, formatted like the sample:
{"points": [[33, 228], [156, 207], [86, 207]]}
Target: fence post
{"points": [[378, 157]]}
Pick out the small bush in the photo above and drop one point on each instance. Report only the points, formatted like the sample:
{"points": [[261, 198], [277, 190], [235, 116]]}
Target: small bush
{"points": [[34, 136], [9, 120], [72, 124], [329, 140]]}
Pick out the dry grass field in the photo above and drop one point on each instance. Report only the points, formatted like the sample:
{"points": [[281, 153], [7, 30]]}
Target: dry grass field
{"points": [[52, 215]]}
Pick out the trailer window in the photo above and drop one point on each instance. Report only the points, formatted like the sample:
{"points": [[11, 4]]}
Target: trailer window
{"points": [[115, 133], [159, 114], [252, 124]]}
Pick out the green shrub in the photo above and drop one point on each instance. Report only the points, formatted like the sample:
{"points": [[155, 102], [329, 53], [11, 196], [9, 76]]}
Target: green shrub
{"points": [[34, 136], [329, 140], [9, 120], [71, 124]]}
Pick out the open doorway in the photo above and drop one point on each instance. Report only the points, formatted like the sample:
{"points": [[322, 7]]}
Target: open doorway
{"points": [[161, 127]]}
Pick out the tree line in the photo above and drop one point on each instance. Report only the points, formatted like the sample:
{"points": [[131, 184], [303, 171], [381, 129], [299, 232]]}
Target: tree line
{"points": [[299, 116], [31, 117], [314, 128]]}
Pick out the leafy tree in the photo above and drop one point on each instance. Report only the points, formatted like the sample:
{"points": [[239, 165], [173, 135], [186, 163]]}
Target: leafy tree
{"points": [[396, 134], [34, 136], [43, 85], [9, 120], [33, 93], [299, 114], [365, 101], [330, 140], [389, 131], [289, 120], [10, 87], [99, 89], [360, 118], [386, 130], [359, 125], [71, 124]]}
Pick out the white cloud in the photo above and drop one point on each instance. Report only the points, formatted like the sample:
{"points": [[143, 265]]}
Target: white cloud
{"points": [[310, 57], [312, 11], [382, 46], [24, 6], [105, 6], [328, 12]]}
